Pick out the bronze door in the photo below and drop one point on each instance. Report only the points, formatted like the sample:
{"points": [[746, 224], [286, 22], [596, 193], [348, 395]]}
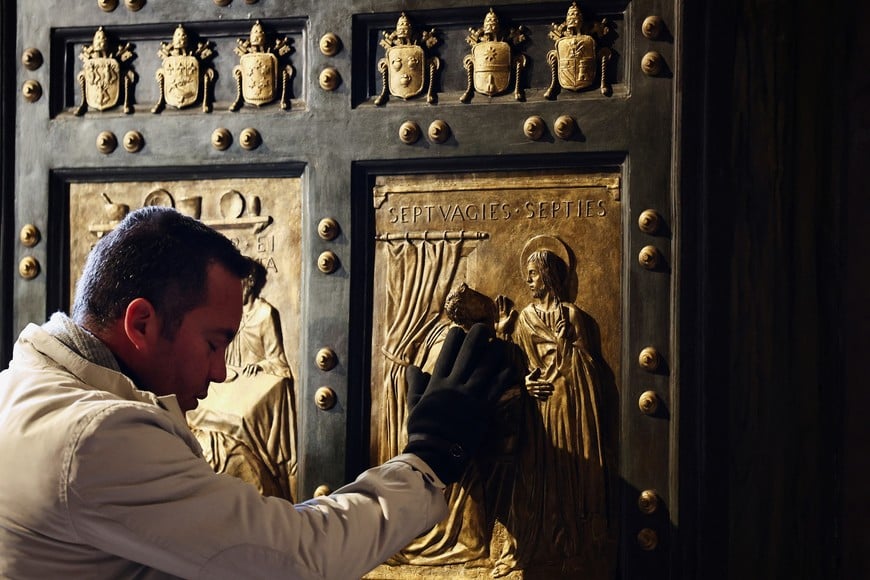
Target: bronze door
{"points": [[397, 167]]}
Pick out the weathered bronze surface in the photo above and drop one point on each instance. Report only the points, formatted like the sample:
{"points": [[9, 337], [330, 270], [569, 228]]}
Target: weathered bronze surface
{"points": [[329, 79], [106, 77], [495, 58], [28, 268], [31, 58], [32, 90], [257, 73], [407, 68], [133, 141], [106, 142], [247, 425], [29, 235], [184, 71], [537, 256]]}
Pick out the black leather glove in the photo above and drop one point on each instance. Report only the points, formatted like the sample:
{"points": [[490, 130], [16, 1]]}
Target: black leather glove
{"points": [[454, 403]]}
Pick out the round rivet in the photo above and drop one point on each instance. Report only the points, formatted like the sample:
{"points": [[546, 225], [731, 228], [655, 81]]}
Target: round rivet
{"points": [[322, 490], [409, 132], [29, 235], [106, 142], [31, 58], [327, 229], [533, 127], [326, 359], [649, 257], [648, 501], [221, 139], [133, 141], [648, 403], [649, 359], [652, 27], [652, 63], [564, 127], [249, 139], [329, 79], [31, 90], [647, 539], [329, 44], [439, 131], [325, 398], [327, 262], [107, 5], [134, 5], [649, 221], [28, 268], [222, 2]]}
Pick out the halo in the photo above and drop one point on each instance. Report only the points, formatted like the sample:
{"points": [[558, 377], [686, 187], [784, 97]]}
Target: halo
{"points": [[545, 242]]}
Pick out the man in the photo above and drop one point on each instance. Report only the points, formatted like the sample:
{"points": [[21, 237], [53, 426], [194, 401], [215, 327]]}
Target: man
{"points": [[102, 478]]}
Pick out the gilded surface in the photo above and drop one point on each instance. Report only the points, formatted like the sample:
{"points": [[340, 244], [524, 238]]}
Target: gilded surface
{"points": [[538, 256], [492, 61], [406, 67], [258, 70], [183, 72], [105, 76], [247, 425], [575, 59]]}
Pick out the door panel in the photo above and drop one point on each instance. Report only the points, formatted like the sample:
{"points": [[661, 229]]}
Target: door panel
{"points": [[354, 177]]}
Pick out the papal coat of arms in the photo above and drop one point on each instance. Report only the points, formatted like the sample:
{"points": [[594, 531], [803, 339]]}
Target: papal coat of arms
{"points": [[105, 76], [492, 62], [574, 60], [406, 68], [259, 68], [183, 72]]}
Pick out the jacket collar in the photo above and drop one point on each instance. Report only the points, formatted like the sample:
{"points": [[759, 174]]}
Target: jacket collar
{"points": [[96, 376]]}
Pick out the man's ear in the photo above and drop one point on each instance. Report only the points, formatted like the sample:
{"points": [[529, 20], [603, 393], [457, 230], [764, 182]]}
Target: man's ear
{"points": [[142, 325]]}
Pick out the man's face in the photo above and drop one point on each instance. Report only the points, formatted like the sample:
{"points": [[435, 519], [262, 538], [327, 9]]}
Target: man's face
{"points": [[185, 364], [535, 281]]}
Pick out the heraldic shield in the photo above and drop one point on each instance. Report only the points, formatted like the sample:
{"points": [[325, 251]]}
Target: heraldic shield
{"points": [[407, 70], [181, 75], [576, 61], [259, 77], [102, 83], [492, 67]]}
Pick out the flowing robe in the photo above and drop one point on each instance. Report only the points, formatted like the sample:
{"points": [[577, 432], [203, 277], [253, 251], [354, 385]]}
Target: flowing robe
{"points": [[559, 506]]}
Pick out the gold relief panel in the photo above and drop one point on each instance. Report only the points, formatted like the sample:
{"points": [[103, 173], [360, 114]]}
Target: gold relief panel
{"points": [[247, 424], [539, 257]]}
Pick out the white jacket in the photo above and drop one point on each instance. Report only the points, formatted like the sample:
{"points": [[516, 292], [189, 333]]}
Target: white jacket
{"points": [[101, 480]]}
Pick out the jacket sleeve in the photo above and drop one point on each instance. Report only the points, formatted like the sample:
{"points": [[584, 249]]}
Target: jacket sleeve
{"points": [[136, 490]]}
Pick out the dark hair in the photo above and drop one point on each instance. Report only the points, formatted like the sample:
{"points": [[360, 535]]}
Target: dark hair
{"points": [[158, 254]]}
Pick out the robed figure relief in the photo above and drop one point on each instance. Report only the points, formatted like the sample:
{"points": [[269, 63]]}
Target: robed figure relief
{"points": [[558, 510], [534, 498]]}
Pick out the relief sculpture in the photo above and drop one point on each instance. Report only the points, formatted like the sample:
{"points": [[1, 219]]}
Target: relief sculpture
{"points": [[258, 70], [558, 507], [106, 76], [537, 499], [247, 425], [574, 60], [406, 68], [492, 62], [183, 72]]}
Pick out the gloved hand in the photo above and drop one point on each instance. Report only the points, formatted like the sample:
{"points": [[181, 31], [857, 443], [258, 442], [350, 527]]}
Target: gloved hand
{"points": [[454, 403]]}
